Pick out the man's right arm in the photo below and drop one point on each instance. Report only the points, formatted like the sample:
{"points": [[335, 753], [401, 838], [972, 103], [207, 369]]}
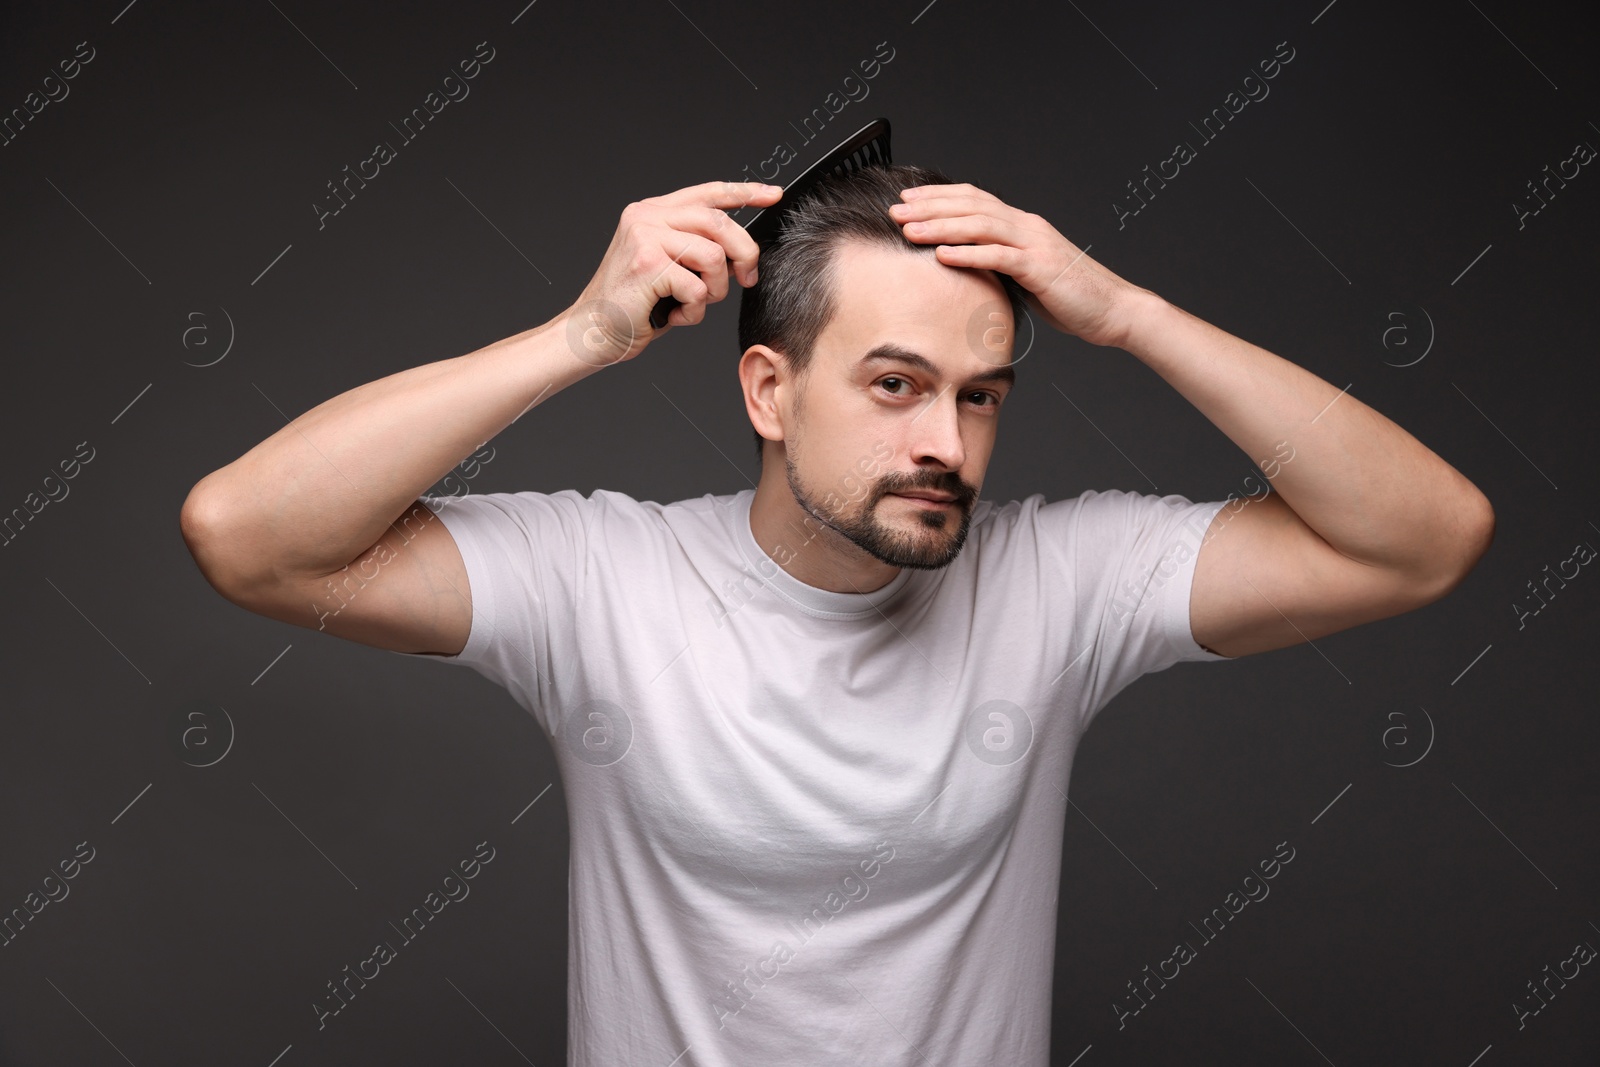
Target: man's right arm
{"points": [[274, 530], [339, 486]]}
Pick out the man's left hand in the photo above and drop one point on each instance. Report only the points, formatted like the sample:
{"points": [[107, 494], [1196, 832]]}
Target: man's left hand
{"points": [[973, 228]]}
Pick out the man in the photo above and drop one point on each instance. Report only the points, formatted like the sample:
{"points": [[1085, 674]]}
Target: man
{"points": [[816, 737]]}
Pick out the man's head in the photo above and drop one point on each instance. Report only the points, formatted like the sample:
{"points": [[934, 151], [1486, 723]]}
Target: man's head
{"points": [[872, 368]]}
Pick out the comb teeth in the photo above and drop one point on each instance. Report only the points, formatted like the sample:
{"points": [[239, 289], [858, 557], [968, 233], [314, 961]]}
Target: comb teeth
{"points": [[872, 150], [870, 154]]}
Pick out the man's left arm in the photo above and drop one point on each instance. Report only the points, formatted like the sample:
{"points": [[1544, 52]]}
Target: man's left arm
{"points": [[1366, 521]]}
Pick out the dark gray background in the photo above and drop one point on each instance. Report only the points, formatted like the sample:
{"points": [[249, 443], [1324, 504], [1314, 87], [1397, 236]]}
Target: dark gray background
{"points": [[184, 162]]}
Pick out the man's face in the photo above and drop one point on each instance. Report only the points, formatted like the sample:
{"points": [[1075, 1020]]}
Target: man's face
{"points": [[900, 398]]}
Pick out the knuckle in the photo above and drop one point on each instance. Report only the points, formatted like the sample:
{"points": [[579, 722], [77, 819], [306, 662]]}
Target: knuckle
{"points": [[648, 259]]}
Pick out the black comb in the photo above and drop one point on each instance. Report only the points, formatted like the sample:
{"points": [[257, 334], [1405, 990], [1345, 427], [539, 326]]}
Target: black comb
{"points": [[867, 147]]}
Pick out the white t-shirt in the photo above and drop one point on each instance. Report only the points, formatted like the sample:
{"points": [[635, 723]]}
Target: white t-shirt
{"points": [[808, 826]]}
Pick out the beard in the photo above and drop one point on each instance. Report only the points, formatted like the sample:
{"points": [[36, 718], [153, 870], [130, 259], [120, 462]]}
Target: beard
{"points": [[928, 544]]}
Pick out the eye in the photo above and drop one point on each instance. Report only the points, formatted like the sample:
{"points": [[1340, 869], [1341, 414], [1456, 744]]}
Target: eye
{"points": [[994, 399], [885, 383]]}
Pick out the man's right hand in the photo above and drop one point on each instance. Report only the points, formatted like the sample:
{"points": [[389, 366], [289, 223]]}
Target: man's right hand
{"points": [[681, 245]]}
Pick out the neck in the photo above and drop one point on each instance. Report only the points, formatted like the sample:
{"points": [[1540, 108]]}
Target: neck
{"points": [[808, 550]]}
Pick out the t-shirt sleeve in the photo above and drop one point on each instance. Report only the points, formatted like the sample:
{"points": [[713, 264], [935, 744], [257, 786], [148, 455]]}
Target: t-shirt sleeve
{"points": [[1130, 561], [524, 555]]}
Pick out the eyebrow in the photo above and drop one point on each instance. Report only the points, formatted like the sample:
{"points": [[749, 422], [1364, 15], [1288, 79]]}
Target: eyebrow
{"points": [[889, 352]]}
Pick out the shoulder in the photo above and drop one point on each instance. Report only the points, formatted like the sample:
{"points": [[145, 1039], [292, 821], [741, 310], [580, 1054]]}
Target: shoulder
{"points": [[1097, 522], [597, 511], [1114, 511], [1034, 513], [700, 520]]}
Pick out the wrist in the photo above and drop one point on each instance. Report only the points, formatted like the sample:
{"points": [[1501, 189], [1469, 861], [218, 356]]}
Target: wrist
{"points": [[597, 333], [1136, 319]]}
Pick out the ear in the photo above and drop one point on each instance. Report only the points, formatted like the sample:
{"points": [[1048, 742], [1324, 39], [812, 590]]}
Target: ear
{"points": [[764, 377]]}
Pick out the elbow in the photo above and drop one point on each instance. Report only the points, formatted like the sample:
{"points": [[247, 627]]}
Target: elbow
{"points": [[191, 522], [1471, 534], [201, 521], [197, 518], [1477, 533], [1483, 531]]}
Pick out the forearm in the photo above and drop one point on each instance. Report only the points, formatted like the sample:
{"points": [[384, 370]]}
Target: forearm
{"points": [[1367, 487], [323, 489]]}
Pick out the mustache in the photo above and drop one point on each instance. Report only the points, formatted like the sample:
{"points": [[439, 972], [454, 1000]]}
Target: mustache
{"points": [[948, 482]]}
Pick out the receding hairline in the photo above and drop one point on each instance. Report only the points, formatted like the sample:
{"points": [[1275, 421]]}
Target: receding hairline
{"points": [[891, 350]]}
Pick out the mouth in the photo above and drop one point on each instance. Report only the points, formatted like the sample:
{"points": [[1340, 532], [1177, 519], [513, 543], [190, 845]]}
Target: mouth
{"points": [[928, 501]]}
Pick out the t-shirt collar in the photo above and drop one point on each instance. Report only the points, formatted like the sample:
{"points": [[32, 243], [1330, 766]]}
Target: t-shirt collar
{"points": [[823, 603]]}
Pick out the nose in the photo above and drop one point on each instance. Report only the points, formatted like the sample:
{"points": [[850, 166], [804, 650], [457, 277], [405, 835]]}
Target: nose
{"points": [[935, 432]]}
